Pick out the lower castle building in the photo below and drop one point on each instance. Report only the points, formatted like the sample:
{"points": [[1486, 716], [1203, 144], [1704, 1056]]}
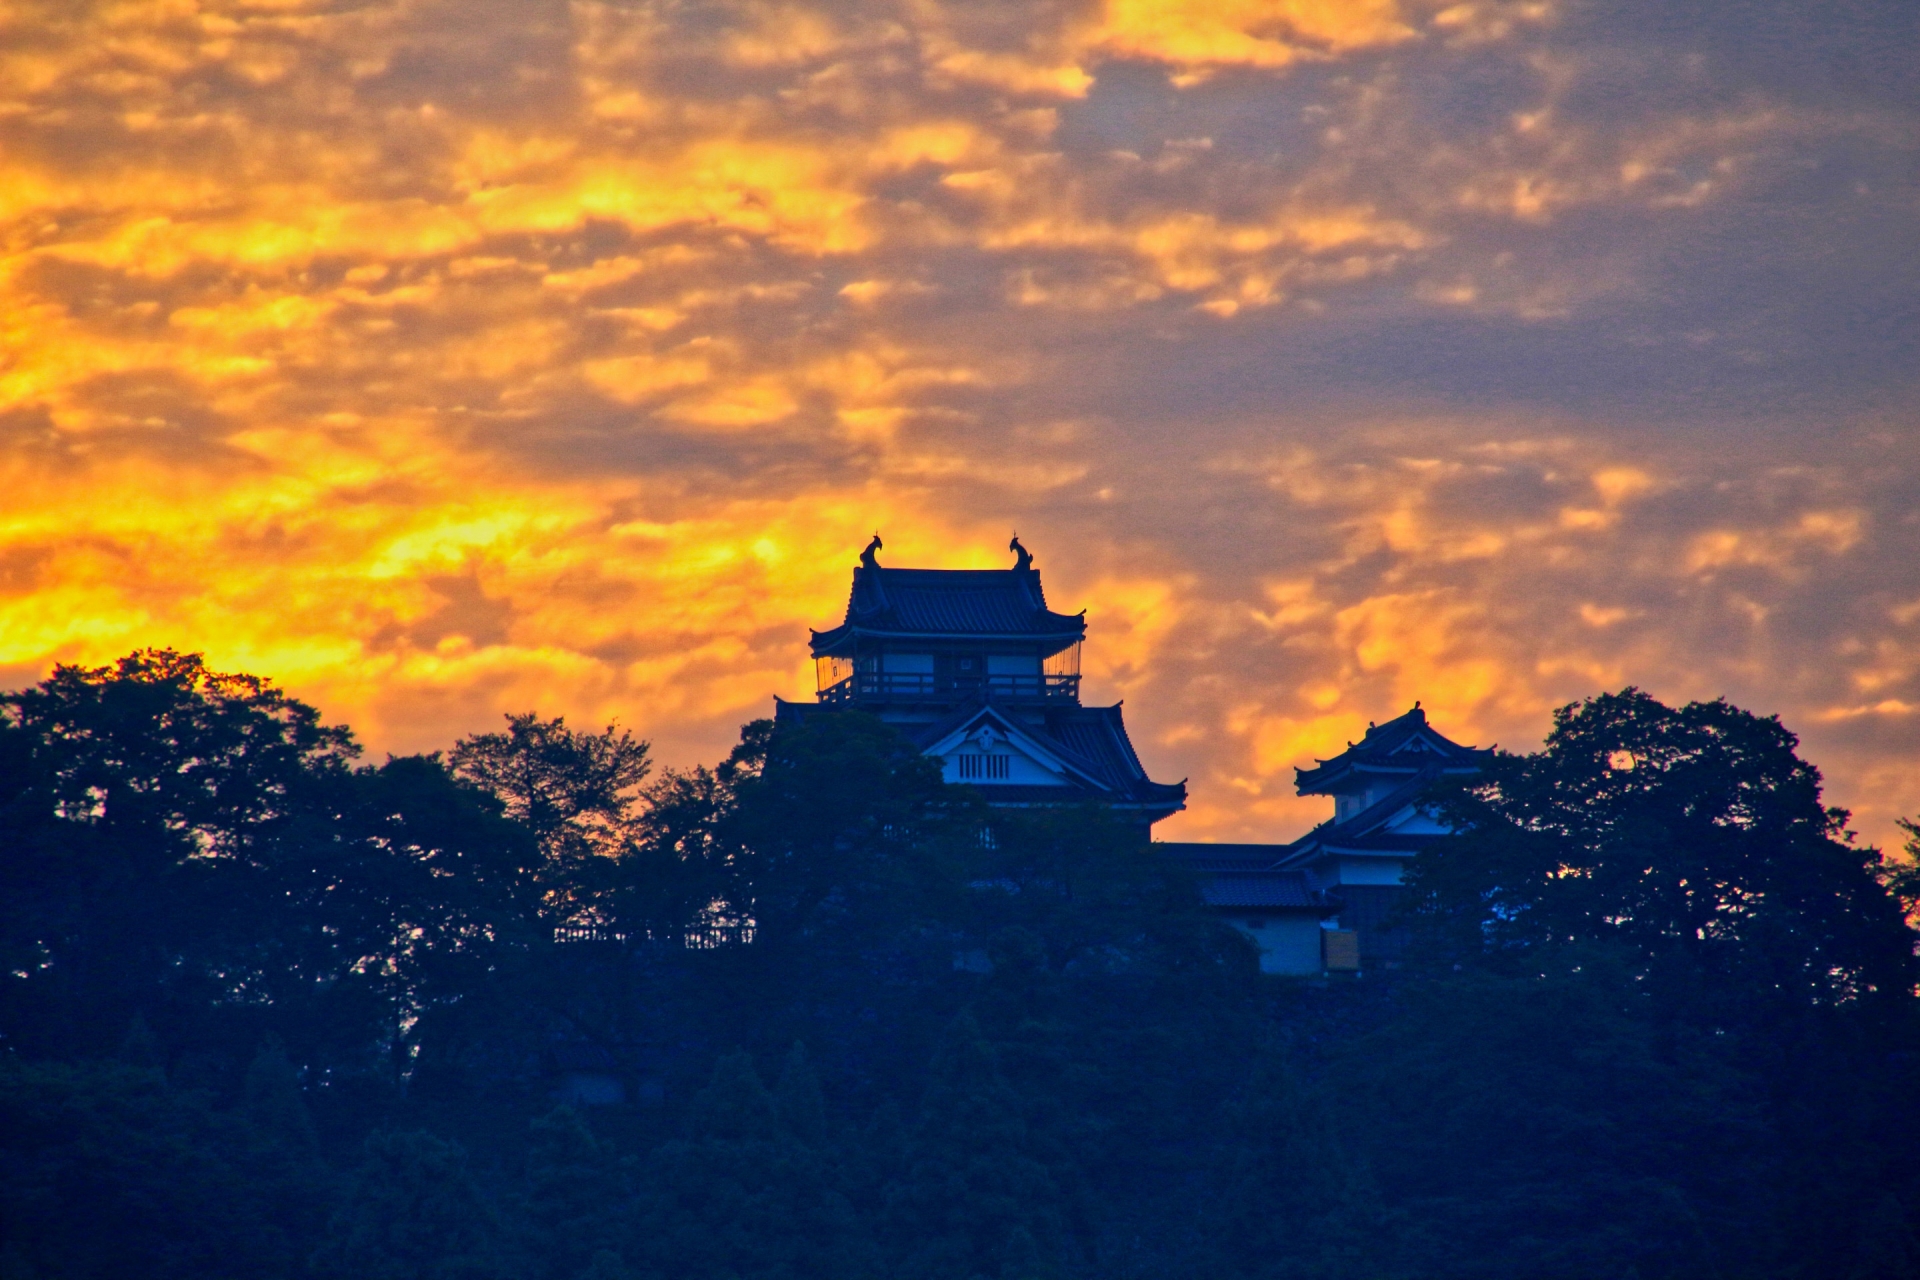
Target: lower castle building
{"points": [[974, 668], [1324, 902]]}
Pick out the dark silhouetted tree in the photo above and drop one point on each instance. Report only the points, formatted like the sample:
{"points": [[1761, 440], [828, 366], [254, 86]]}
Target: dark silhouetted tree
{"points": [[106, 1171], [746, 1195], [1694, 837], [972, 1199], [577, 1189], [416, 1212], [575, 791], [143, 805], [1292, 1199]]}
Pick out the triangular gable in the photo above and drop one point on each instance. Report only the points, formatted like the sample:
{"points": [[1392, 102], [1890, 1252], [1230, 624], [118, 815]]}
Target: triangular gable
{"points": [[1390, 813], [1412, 820], [1423, 741], [1046, 757]]}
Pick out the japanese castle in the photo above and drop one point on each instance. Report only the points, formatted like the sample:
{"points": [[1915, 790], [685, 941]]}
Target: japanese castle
{"points": [[974, 668]]}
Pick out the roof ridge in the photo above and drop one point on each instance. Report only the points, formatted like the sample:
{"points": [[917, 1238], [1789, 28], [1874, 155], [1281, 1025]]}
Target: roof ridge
{"points": [[1381, 748]]}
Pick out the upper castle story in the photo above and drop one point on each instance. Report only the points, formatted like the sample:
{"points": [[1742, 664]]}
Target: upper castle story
{"points": [[943, 636]]}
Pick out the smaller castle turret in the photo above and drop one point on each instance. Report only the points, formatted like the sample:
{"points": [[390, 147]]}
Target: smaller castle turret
{"points": [[1325, 901]]}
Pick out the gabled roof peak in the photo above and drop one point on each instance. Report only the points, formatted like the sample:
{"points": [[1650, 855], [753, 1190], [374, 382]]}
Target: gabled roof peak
{"points": [[1405, 745]]}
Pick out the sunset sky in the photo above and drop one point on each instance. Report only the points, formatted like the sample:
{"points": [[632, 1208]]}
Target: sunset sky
{"points": [[440, 359]]}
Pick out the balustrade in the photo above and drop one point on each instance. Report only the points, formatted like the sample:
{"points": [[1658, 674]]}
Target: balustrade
{"points": [[913, 684]]}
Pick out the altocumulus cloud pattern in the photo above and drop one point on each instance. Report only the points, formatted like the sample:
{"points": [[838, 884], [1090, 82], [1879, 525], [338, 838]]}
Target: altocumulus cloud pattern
{"points": [[441, 358]]}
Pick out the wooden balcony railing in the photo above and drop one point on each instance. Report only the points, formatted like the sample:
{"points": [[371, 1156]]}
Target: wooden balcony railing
{"points": [[699, 937], [882, 685]]}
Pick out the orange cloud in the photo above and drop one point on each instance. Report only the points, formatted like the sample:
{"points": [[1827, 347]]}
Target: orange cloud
{"points": [[1200, 36], [440, 360]]}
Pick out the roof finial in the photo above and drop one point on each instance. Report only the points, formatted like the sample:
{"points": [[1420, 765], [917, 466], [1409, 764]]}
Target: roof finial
{"points": [[866, 557], [1026, 557]]}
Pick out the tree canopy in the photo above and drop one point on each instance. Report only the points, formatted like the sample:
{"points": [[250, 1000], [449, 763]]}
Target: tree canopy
{"points": [[530, 1009], [1692, 838]]}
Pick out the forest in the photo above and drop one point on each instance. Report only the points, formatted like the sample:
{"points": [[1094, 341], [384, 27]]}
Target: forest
{"points": [[532, 1008]]}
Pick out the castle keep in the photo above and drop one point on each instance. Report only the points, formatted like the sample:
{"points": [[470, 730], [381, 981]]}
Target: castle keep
{"points": [[975, 669]]}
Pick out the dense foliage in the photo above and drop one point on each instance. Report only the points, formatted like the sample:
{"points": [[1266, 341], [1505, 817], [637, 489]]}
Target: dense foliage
{"points": [[529, 1010]]}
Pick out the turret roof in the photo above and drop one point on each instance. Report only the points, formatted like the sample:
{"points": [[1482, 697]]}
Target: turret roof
{"points": [[1402, 748], [1395, 763]]}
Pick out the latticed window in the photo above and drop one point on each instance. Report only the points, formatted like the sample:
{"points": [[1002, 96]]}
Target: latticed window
{"points": [[985, 767]]}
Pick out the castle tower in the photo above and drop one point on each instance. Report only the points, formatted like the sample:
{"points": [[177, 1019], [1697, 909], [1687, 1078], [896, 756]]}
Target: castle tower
{"points": [[1325, 902], [974, 668]]}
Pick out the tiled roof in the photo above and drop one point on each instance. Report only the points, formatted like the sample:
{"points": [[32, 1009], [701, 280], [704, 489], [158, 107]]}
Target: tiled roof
{"points": [[1093, 740], [1223, 857], [1406, 745], [1396, 764], [1097, 738], [950, 602], [1261, 889], [1244, 875]]}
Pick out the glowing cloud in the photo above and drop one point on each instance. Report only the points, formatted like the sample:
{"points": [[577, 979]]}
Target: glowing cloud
{"points": [[439, 359]]}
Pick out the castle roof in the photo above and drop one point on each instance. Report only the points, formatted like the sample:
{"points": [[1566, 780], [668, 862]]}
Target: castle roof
{"points": [[918, 635], [1091, 741], [1393, 765], [1403, 748], [1089, 745], [1389, 770], [949, 604], [1244, 876]]}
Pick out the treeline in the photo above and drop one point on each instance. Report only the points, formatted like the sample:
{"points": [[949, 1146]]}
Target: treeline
{"points": [[533, 1009]]}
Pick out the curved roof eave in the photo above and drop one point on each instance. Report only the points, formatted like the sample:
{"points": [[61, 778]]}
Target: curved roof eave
{"points": [[1076, 632]]}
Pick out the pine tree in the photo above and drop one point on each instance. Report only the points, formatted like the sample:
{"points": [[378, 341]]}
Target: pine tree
{"points": [[744, 1194], [972, 1200], [1294, 1201], [576, 1187], [415, 1212]]}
